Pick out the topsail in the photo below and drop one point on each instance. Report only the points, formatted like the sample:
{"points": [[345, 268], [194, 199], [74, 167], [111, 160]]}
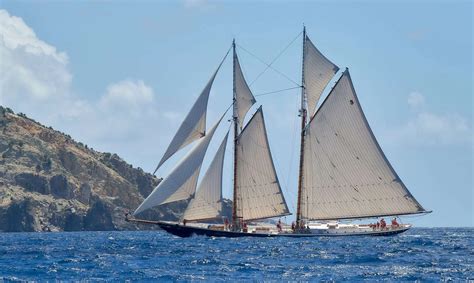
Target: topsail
{"points": [[346, 174], [317, 72], [244, 98]]}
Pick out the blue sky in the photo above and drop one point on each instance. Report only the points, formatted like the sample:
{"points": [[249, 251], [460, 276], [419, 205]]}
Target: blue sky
{"points": [[121, 76]]}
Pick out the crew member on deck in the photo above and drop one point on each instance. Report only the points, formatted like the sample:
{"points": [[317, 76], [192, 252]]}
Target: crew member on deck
{"points": [[279, 225], [394, 222], [226, 224], [383, 224]]}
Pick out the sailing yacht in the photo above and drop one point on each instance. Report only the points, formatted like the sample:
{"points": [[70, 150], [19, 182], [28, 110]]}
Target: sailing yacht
{"points": [[343, 173]]}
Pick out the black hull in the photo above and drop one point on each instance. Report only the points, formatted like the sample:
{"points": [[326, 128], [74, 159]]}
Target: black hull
{"points": [[188, 231]]}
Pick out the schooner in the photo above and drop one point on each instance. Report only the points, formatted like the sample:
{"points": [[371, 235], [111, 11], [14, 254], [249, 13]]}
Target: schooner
{"points": [[343, 172]]}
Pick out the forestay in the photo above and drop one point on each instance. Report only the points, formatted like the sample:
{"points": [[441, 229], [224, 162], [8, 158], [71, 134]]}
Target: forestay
{"points": [[346, 175], [244, 98], [194, 125], [207, 202], [259, 191], [318, 71], [181, 183]]}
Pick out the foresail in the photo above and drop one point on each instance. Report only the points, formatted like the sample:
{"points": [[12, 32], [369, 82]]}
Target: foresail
{"points": [[346, 175], [194, 125], [259, 192], [244, 98], [317, 71], [207, 202], [181, 183]]}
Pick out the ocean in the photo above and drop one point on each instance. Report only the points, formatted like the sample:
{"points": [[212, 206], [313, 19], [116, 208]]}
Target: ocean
{"points": [[425, 254]]}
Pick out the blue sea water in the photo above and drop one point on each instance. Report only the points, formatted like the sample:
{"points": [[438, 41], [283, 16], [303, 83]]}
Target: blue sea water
{"points": [[419, 254]]}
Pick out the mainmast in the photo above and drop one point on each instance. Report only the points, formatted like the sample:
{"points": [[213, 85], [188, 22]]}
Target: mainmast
{"points": [[303, 114], [235, 118]]}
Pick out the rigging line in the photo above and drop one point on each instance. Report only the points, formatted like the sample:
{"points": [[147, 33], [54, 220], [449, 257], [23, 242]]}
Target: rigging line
{"points": [[225, 56], [295, 126], [276, 91], [273, 61], [268, 67], [278, 56], [232, 104]]}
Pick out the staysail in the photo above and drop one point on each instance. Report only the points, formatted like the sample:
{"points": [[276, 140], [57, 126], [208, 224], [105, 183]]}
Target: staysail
{"points": [[346, 174], [317, 72], [207, 202], [194, 125], [259, 192], [244, 98], [181, 183]]}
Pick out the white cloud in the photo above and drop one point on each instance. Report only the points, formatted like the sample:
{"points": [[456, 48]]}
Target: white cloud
{"points": [[173, 116], [16, 34], [31, 68], [416, 99], [127, 95], [430, 128], [35, 79]]}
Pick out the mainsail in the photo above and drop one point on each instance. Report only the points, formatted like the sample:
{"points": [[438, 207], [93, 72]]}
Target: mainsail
{"points": [[259, 192], [194, 125], [181, 183], [346, 174], [244, 98], [207, 202], [317, 72]]}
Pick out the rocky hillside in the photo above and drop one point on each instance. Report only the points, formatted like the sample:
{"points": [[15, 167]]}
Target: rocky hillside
{"points": [[49, 182]]}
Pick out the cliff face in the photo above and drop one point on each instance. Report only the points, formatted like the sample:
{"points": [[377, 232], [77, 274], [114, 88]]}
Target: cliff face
{"points": [[49, 182]]}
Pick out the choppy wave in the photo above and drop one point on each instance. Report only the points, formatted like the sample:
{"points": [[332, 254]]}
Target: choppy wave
{"points": [[420, 254]]}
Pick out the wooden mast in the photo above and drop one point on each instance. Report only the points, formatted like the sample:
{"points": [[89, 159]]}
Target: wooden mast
{"points": [[235, 118], [303, 114]]}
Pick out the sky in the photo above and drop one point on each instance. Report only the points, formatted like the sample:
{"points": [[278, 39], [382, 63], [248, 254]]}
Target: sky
{"points": [[121, 76]]}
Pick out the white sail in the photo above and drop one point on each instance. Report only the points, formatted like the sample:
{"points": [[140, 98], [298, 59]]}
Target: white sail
{"points": [[259, 192], [244, 98], [181, 183], [207, 202], [194, 125], [346, 175], [317, 71]]}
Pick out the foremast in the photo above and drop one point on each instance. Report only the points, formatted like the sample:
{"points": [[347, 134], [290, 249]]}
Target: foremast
{"points": [[303, 114], [257, 191], [235, 119]]}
